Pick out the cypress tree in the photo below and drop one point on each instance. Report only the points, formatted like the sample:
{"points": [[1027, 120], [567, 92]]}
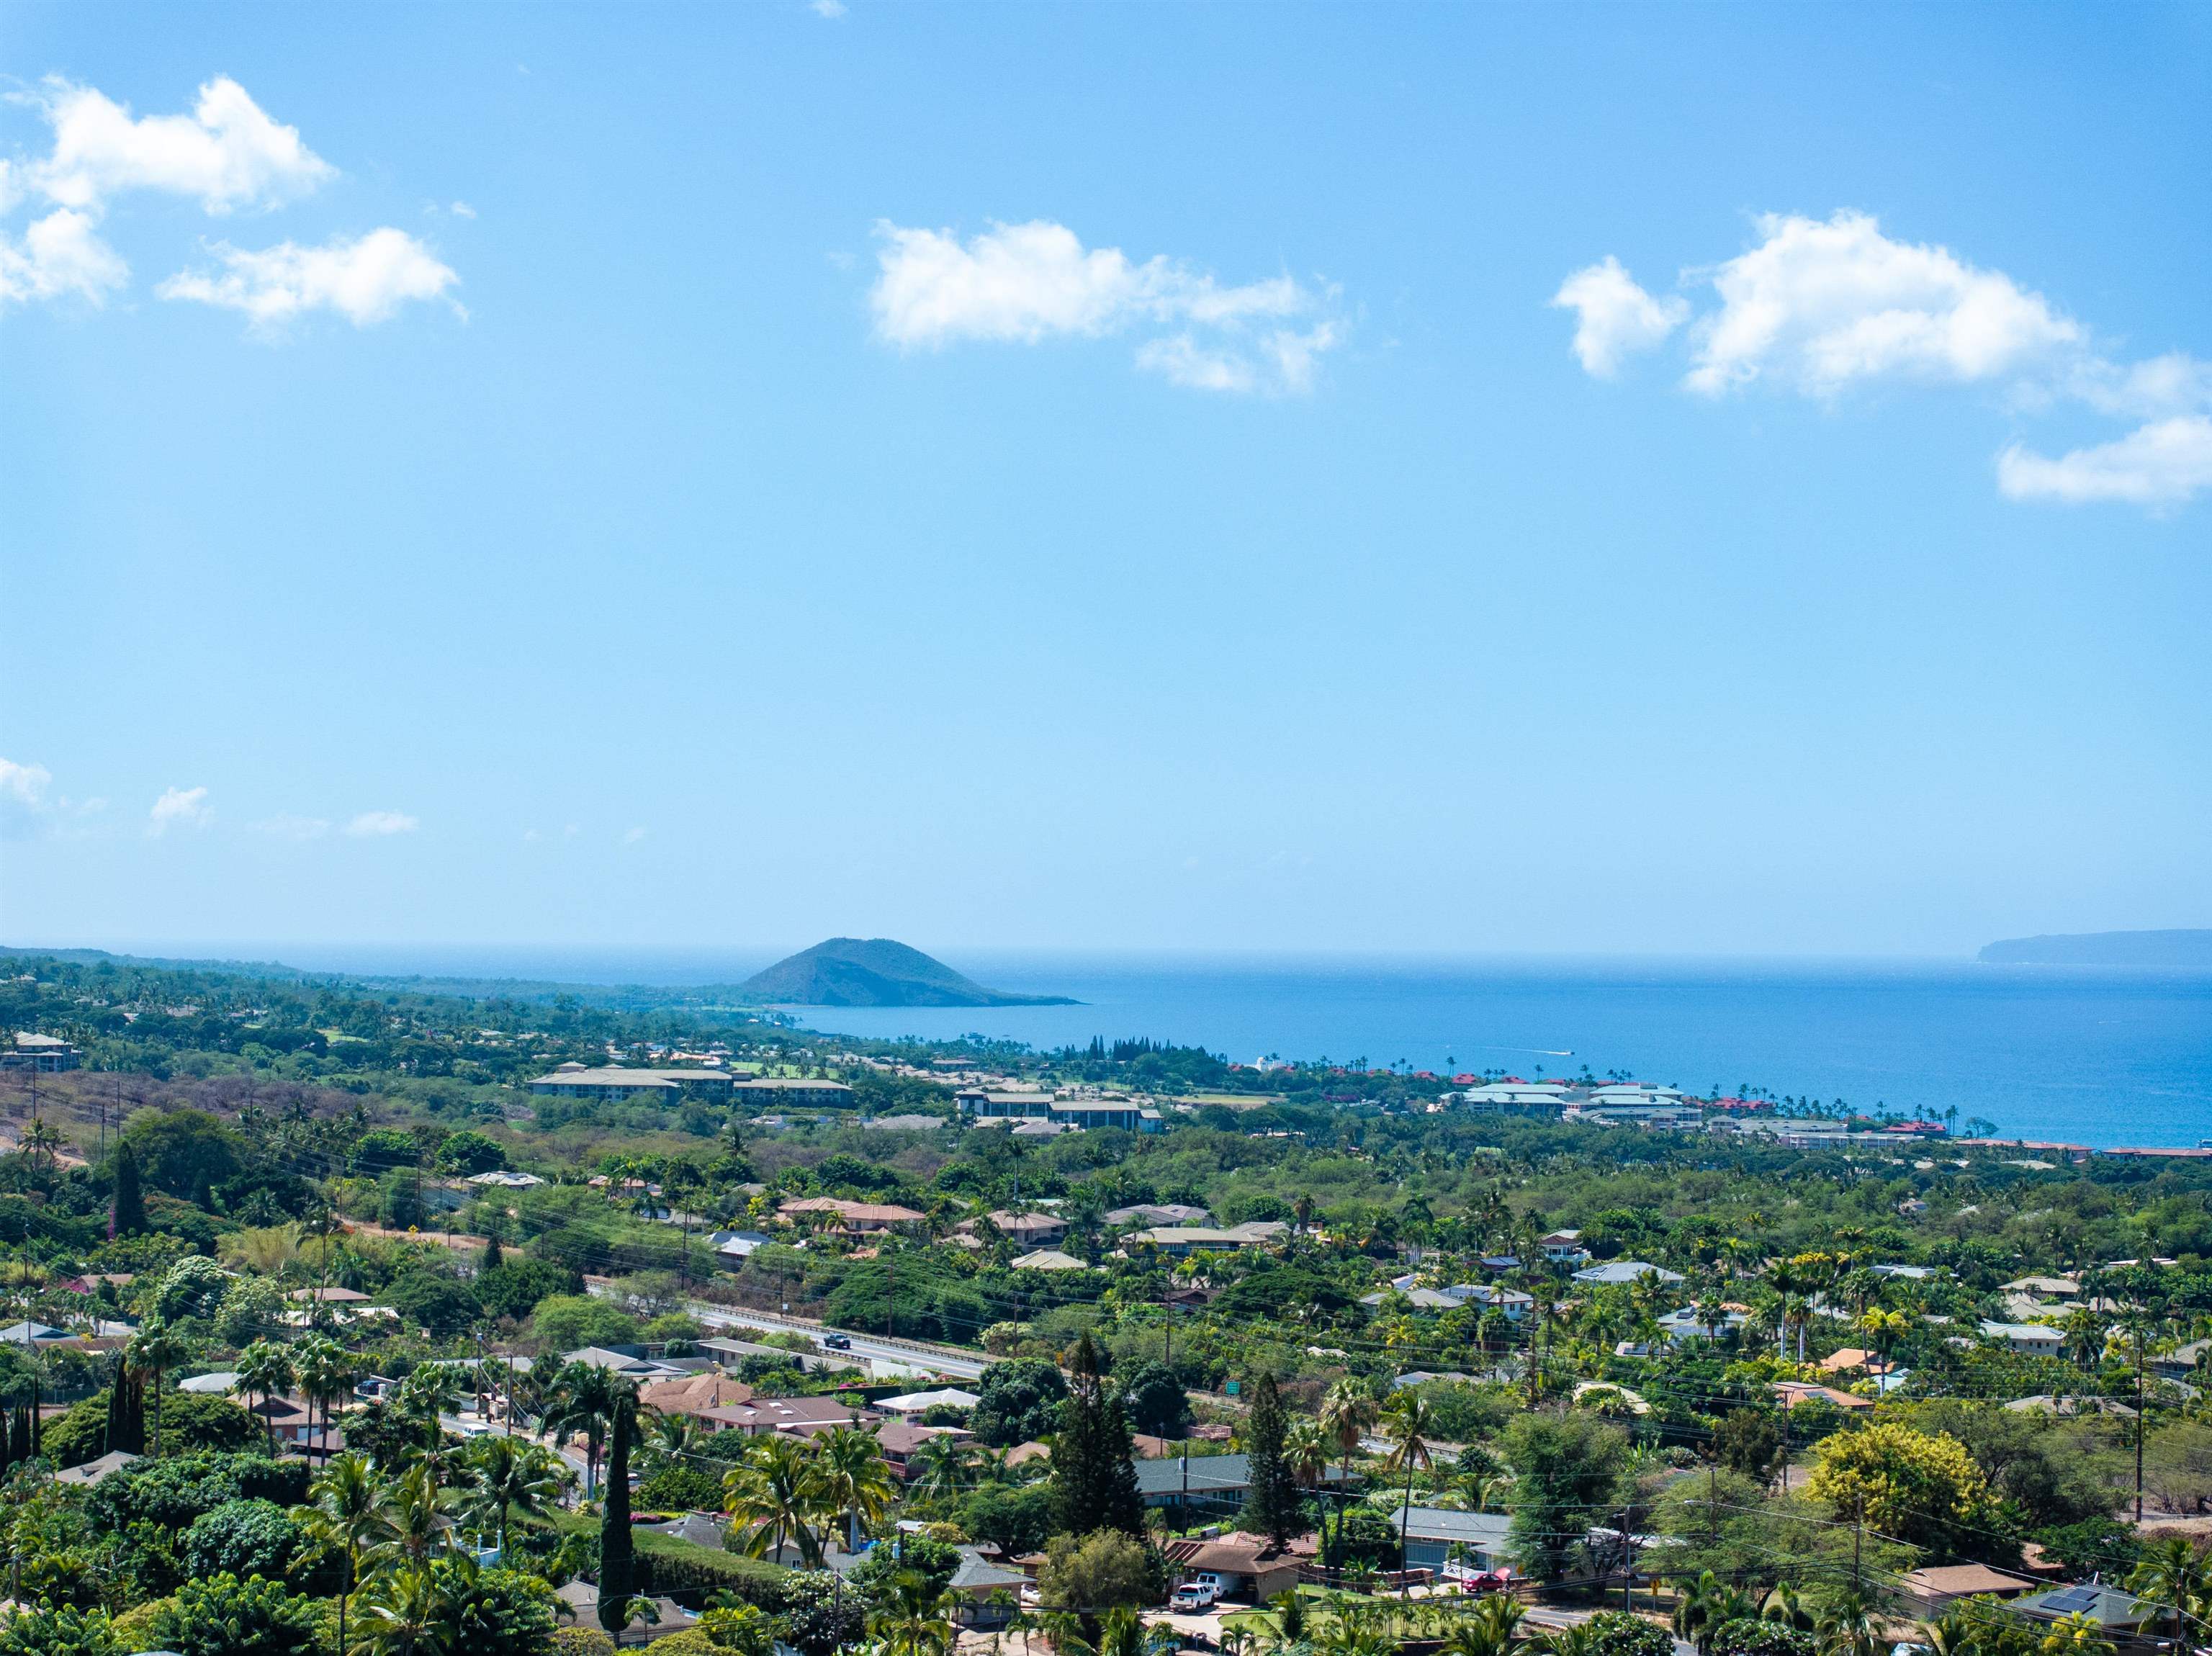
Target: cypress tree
{"points": [[1272, 1507], [1094, 1463], [490, 1258], [129, 1216], [617, 1552]]}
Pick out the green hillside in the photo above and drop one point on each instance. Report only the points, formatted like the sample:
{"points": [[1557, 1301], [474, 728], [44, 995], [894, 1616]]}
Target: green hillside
{"points": [[874, 972]]}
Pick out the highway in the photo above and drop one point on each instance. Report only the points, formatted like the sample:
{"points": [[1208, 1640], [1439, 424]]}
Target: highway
{"points": [[947, 1360]]}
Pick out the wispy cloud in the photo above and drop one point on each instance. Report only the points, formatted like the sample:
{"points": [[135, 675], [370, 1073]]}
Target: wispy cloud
{"points": [[1822, 307], [1027, 283], [2161, 465], [380, 824], [633, 836], [180, 808], [365, 280], [831, 8]]}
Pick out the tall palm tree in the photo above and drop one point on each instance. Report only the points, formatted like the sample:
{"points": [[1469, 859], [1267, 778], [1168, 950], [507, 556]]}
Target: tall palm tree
{"points": [[505, 1476], [1346, 1411], [344, 1513], [324, 1370], [776, 1491], [1408, 1426], [853, 1479], [266, 1368], [157, 1348], [1307, 1449], [581, 1399]]}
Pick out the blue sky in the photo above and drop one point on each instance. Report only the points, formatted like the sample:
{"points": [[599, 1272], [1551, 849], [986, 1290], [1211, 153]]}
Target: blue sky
{"points": [[1110, 476]]}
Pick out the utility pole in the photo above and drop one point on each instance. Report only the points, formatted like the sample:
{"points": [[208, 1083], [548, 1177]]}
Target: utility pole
{"points": [[1858, 1519]]}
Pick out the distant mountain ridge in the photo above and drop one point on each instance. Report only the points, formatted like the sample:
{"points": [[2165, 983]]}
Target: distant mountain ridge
{"points": [[874, 972], [2187, 951]]}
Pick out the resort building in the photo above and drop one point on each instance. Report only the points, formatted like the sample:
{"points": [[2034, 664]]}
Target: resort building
{"points": [[615, 1084]]}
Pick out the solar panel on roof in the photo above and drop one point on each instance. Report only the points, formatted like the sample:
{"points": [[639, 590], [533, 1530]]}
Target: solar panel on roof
{"points": [[2071, 1600]]}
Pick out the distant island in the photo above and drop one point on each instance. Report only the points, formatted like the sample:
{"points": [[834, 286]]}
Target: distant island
{"points": [[874, 972], [2187, 951]]}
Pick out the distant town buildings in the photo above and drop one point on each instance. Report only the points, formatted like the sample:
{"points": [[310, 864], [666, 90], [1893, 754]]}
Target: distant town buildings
{"points": [[46, 1054], [615, 1084]]}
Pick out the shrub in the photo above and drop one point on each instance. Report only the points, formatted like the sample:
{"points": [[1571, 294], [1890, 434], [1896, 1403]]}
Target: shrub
{"points": [[242, 1538], [1103, 1570], [65, 1632], [514, 1288], [665, 1564], [581, 1641], [743, 1629], [133, 1629], [934, 1561], [226, 1616], [497, 1612], [818, 1615], [435, 1301], [1747, 1637], [191, 1420], [1617, 1632], [193, 1287], [679, 1487]]}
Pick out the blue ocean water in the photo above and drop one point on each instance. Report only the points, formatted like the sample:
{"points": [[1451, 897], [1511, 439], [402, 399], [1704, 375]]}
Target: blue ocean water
{"points": [[2104, 1058]]}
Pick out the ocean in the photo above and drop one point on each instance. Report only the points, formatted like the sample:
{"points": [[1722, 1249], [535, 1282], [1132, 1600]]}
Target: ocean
{"points": [[2103, 1057]]}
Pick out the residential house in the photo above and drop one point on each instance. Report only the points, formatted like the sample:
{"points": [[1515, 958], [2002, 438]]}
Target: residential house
{"points": [[46, 1054], [1485, 1295], [1690, 1323], [916, 1403], [901, 1440], [1179, 1241], [2026, 1340], [1434, 1537], [1194, 1480], [1795, 1394], [1159, 1213], [93, 1471], [1047, 1259], [1028, 1230], [2113, 1610], [989, 1594], [694, 1395], [628, 1363], [1249, 1567], [1937, 1585], [738, 1244], [503, 1179], [1622, 1272], [1564, 1247], [854, 1218], [804, 1416]]}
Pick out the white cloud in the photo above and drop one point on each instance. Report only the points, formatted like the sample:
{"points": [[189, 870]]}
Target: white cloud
{"points": [[228, 152], [1614, 316], [461, 209], [285, 826], [24, 785], [61, 253], [365, 280], [633, 836], [827, 8], [180, 808], [1024, 283], [2164, 463], [380, 824], [1823, 304]]}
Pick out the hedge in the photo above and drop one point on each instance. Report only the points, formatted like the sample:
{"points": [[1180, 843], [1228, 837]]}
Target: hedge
{"points": [[667, 1565]]}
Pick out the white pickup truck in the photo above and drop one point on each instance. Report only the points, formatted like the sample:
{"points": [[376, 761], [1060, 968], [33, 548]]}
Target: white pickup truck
{"points": [[1201, 1591]]}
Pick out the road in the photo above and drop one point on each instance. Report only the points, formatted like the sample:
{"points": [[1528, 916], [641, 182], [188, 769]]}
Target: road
{"points": [[942, 1359]]}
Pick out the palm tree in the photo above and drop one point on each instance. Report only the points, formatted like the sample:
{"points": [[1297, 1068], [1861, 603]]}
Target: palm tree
{"points": [[853, 1479], [158, 1348], [1489, 1631], [2084, 1339], [917, 1621], [581, 1399], [1307, 1448], [1709, 1603], [325, 1371], [1346, 1411], [414, 1510], [2173, 1574], [1849, 1627], [408, 1614], [1408, 1427], [344, 1514], [669, 1437], [776, 1491], [942, 1470], [266, 1368], [508, 1476]]}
